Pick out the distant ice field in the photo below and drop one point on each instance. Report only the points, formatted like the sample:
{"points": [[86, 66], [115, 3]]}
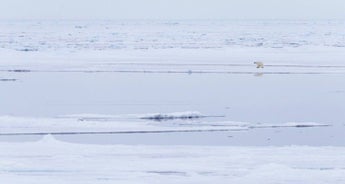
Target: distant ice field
{"points": [[72, 36]]}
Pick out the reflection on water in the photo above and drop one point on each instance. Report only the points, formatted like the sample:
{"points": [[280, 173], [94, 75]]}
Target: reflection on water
{"points": [[259, 74]]}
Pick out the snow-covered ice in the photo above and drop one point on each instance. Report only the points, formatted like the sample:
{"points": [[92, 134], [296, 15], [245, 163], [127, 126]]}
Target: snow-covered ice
{"points": [[52, 161], [33, 36], [286, 47]]}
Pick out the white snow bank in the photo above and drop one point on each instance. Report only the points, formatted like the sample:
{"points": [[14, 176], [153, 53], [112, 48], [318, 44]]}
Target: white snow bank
{"points": [[52, 161]]}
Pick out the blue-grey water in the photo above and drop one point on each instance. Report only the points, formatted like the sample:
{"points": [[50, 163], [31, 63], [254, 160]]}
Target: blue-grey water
{"points": [[270, 98]]}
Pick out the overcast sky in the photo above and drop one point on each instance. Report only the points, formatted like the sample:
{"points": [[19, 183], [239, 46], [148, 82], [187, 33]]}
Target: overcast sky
{"points": [[172, 9]]}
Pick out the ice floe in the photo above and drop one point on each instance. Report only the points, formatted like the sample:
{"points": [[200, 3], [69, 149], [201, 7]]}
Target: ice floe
{"points": [[53, 161], [116, 124]]}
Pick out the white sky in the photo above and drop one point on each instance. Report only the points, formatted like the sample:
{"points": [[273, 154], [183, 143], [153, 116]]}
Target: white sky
{"points": [[172, 9]]}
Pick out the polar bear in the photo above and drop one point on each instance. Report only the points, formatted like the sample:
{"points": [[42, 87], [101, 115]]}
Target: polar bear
{"points": [[259, 64]]}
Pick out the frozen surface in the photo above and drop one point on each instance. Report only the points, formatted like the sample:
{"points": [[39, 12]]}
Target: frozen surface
{"points": [[53, 161], [31, 36], [285, 47], [175, 101]]}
